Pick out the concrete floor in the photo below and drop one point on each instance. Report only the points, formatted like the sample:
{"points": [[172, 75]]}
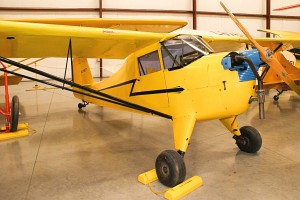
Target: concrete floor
{"points": [[99, 152]]}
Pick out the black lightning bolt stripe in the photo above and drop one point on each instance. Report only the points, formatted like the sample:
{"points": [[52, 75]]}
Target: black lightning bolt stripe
{"points": [[133, 81]]}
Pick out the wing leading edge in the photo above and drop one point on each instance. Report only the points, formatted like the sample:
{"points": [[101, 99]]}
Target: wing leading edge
{"points": [[155, 26], [282, 34], [232, 43]]}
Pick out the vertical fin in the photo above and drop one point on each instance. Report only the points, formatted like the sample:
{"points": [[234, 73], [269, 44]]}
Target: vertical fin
{"points": [[82, 75], [81, 72]]}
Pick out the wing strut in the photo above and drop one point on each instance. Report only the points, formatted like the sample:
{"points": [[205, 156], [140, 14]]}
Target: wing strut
{"points": [[71, 58], [87, 91]]}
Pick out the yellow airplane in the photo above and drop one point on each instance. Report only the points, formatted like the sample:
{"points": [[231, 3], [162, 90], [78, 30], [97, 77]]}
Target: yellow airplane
{"points": [[179, 77]]}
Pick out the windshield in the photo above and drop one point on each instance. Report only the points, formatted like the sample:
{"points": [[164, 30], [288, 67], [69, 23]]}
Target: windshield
{"points": [[182, 50]]}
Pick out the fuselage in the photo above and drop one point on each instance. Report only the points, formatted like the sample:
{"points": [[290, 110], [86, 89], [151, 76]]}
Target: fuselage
{"points": [[203, 87]]}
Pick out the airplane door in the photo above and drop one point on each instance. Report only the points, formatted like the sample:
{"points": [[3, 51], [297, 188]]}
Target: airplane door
{"points": [[150, 87]]}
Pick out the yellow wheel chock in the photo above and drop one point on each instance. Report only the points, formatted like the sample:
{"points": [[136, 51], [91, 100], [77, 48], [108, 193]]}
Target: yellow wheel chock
{"points": [[21, 132], [176, 192]]}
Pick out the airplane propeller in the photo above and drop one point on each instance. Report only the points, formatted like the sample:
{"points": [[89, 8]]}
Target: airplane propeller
{"points": [[267, 56]]}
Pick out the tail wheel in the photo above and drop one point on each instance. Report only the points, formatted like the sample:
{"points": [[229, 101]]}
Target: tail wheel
{"points": [[249, 141], [170, 168], [82, 105], [14, 114], [276, 97]]}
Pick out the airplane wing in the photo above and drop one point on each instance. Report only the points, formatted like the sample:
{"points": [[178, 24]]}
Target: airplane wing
{"points": [[34, 40], [286, 34], [270, 82], [155, 26], [234, 43], [282, 34]]}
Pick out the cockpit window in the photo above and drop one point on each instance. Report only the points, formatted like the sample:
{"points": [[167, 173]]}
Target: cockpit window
{"points": [[149, 63], [182, 50]]}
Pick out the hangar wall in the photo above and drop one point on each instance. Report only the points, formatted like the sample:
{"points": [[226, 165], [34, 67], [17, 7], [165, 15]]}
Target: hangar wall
{"points": [[252, 18]]}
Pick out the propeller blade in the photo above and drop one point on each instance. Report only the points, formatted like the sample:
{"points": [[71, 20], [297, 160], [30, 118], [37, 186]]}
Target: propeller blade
{"points": [[242, 28]]}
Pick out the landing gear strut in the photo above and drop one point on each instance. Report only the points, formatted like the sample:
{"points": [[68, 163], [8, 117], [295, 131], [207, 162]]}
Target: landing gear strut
{"points": [[170, 168], [82, 105], [276, 97]]}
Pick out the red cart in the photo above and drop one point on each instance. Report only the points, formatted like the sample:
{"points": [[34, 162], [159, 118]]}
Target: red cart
{"points": [[11, 112]]}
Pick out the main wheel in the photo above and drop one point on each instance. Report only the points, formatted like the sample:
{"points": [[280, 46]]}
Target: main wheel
{"points": [[250, 140], [14, 114], [170, 168]]}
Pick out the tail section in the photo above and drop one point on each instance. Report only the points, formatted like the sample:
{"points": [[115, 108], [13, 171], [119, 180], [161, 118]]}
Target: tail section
{"points": [[82, 74]]}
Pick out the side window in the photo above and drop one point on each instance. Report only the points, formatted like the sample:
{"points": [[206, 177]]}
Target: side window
{"points": [[149, 63]]}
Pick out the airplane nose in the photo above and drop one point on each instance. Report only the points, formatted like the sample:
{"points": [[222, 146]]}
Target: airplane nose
{"points": [[246, 63], [235, 62]]}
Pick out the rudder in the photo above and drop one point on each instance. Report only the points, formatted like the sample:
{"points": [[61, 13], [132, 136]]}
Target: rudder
{"points": [[81, 74]]}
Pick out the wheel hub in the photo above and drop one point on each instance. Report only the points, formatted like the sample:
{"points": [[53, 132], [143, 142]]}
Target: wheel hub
{"points": [[244, 141], [241, 140], [165, 169]]}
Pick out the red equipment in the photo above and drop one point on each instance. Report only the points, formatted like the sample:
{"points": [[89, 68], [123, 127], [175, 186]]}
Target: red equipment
{"points": [[11, 115]]}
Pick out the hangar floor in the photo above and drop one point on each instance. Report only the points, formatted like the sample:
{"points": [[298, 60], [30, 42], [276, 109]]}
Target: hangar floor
{"points": [[99, 152]]}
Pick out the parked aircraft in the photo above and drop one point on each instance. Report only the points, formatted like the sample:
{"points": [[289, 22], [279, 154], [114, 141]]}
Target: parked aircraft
{"points": [[287, 7], [179, 77]]}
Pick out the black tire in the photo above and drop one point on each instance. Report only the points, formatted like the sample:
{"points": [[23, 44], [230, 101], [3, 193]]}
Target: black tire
{"points": [[14, 114], [250, 140], [170, 168], [276, 98], [80, 106]]}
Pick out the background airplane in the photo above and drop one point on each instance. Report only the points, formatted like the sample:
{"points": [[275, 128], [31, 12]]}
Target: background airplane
{"points": [[287, 7]]}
